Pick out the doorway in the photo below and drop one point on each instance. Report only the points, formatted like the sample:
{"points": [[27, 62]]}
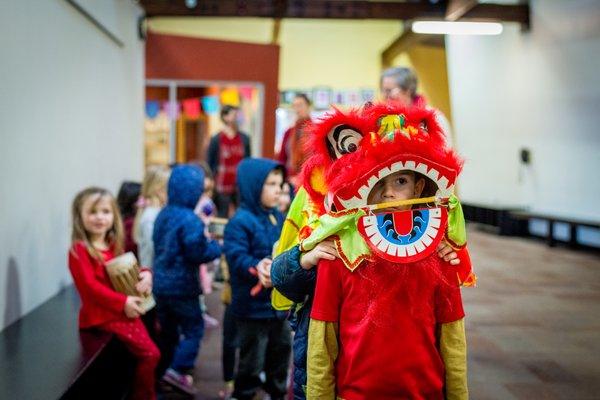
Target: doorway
{"points": [[181, 117]]}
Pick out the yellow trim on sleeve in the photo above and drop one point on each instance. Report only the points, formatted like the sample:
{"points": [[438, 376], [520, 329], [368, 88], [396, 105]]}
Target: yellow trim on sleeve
{"points": [[453, 347], [322, 353]]}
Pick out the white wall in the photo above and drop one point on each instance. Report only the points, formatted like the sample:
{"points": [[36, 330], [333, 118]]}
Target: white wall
{"points": [[539, 90], [71, 109]]}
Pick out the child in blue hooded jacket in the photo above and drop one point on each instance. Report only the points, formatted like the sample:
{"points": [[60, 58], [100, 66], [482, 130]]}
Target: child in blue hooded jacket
{"points": [[265, 335], [180, 245]]}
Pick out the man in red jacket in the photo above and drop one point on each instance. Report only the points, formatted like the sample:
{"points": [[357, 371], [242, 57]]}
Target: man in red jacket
{"points": [[225, 151]]}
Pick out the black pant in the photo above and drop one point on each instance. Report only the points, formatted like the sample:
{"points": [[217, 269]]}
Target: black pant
{"points": [[181, 330], [222, 201], [265, 345], [231, 343]]}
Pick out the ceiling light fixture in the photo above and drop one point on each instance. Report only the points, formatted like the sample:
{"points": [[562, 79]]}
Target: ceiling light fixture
{"points": [[457, 28]]}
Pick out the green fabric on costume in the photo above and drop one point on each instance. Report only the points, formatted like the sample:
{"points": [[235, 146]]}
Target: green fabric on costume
{"points": [[456, 230], [344, 225], [295, 220]]}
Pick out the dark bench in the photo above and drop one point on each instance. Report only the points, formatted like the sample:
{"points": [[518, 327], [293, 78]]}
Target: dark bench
{"points": [[495, 215], [552, 219], [45, 356]]}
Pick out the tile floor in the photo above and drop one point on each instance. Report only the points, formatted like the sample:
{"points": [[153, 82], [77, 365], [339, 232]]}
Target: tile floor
{"points": [[533, 323]]}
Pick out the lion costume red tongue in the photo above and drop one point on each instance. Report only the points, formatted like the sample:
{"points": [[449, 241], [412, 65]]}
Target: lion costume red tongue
{"points": [[403, 223]]}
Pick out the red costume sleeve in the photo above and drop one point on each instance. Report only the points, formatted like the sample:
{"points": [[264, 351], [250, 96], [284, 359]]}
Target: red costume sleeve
{"points": [[448, 300], [328, 292], [90, 288]]}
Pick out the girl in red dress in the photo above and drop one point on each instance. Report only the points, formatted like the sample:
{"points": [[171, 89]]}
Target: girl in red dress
{"points": [[97, 237]]}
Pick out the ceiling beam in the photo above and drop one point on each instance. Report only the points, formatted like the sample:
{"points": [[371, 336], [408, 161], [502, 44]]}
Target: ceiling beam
{"points": [[327, 9], [276, 31], [404, 42], [340, 9], [500, 12], [457, 8]]}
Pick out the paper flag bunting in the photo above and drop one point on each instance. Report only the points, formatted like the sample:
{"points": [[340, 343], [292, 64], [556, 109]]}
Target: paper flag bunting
{"points": [[172, 109], [152, 108], [191, 108], [230, 97], [210, 104], [212, 91], [246, 92]]}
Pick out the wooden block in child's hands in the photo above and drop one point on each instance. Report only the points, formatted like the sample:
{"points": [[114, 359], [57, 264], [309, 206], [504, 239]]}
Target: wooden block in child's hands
{"points": [[124, 273], [216, 227]]}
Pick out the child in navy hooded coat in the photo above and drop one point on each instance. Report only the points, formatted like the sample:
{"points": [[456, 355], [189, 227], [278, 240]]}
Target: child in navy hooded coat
{"points": [[265, 336], [180, 245]]}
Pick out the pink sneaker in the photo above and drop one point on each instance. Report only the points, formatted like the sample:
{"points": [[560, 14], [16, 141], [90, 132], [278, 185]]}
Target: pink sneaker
{"points": [[182, 382], [227, 391]]}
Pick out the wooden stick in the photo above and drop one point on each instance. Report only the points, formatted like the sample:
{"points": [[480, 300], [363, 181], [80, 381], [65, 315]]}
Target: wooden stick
{"points": [[399, 203]]}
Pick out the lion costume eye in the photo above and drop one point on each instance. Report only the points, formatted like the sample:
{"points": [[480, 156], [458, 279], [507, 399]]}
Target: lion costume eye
{"points": [[343, 139]]}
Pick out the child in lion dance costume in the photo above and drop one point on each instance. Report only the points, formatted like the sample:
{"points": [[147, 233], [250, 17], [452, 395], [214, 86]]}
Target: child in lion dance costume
{"points": [[387, 320]]}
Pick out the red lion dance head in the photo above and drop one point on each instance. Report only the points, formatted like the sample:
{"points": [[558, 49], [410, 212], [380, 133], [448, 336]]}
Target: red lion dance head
{"points": [[350, 152]]}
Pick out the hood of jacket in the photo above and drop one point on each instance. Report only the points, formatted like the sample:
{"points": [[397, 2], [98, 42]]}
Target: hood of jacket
{"points": [[186, 185], [251, 176]]}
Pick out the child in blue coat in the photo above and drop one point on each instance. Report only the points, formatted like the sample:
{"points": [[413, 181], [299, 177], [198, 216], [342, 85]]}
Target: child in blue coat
{"points": [[180, 245], [265, 336]]}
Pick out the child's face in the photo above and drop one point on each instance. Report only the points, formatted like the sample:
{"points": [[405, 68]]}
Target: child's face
{"points": [[97, 216], [271, 191], [400, 185]]}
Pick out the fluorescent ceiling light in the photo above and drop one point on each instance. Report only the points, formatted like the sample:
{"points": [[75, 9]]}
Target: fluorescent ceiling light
{"points": [[457, 28]]}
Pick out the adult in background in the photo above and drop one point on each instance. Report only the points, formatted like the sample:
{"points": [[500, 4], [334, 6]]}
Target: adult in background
{"points": [[225, 151], [292, 154], [400, 84]]}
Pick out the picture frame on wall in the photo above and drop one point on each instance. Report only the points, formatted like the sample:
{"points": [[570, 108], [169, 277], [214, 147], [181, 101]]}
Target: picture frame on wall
{"points": [[287, 96], [338, 97], [367, 95], [321, 98], [352, 97]]}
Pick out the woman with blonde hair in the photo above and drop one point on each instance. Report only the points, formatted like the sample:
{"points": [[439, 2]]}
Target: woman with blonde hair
{"points": [[152, 199]]}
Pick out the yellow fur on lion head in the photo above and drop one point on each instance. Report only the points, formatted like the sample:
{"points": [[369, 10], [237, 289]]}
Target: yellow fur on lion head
{"points": [[317, 181]]}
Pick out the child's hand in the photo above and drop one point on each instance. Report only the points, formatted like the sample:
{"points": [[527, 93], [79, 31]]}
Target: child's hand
{"points": [[264, 272], [324, 250], [447, 253], [144, 286], [133, 307]]}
